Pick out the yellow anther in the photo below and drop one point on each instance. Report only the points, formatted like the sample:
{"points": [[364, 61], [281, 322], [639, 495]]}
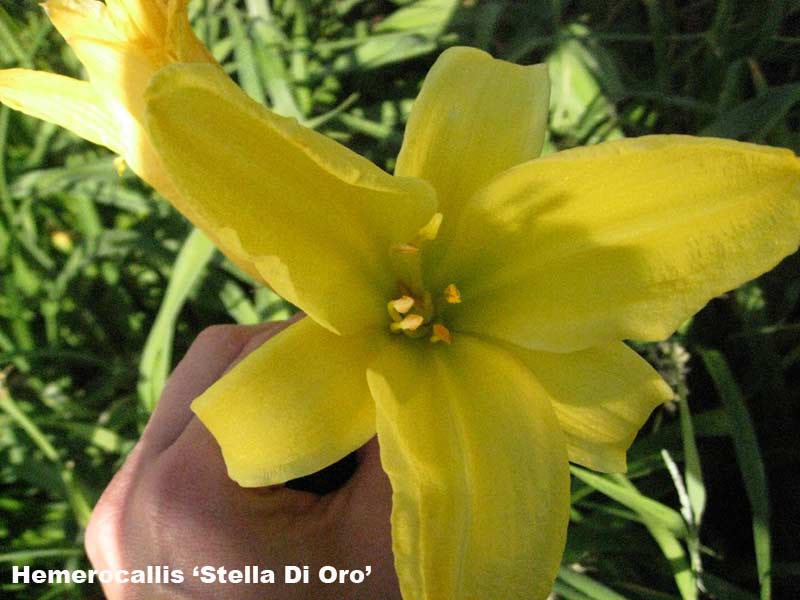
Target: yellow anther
{"points": [[452, 294], [441, 334], [431, 229], [120, 165], [403, 304], [409, 323]]}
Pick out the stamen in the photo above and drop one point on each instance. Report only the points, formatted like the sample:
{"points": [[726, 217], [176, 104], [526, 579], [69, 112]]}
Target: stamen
{"points": [[396, 316], [431, 229], [405, 249], [452, 294], [403, 304], [413, 312], [441, 334], [410, 323]]}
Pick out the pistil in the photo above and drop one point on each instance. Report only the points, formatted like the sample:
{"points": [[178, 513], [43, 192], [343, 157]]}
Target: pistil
{"points": [[407, 262], [413, 312]]}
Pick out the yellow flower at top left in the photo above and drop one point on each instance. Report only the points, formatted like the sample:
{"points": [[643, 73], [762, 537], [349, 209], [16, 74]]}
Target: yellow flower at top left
{"points": [[122, 44]]}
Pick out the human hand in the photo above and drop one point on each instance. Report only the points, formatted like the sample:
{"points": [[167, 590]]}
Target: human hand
{"points": [[173, 504]]}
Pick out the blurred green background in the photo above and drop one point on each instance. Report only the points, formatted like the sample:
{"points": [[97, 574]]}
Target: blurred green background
{"points": [[103, 286]]}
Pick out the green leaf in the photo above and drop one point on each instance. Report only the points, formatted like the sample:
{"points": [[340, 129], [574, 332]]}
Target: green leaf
{"points": [[238, 305], [156, 360], [719, 588], [583, 583], [73, 489], [580, 80], [659, 513], [682, 572], [424, 17], [245, 59], [408, 32], [754, 119], [30, 556], [98, 436], [676, 557], [748, 455], [268, 41]]}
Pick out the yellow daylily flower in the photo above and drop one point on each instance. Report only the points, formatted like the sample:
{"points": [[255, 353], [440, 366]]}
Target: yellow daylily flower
{"points": [[470, 309], [121, 44]]}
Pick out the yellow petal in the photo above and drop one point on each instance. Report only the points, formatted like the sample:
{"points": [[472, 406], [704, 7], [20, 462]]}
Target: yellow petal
{"points": [[86, 19], [602, 396], [292, 407], [317, 219], [624, 240], [161, 26], [123, 42], [119, 67], [117, 46], [142, 19], [182, 43], [478, 468], [474, 118], [67, 102]]}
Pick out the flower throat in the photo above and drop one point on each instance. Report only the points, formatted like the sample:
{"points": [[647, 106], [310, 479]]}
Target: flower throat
{"points": [[413, 312]]}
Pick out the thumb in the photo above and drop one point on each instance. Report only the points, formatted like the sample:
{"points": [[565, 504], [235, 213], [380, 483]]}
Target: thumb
{"points": [[363, 509]]}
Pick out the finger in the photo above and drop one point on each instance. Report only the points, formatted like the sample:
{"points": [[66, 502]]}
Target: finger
{"points": [[196, 460], [184, 436], [370, 484], [207, 359], [216, 351], [210, 356], [195, 465], [363, 508], [366, 499]]}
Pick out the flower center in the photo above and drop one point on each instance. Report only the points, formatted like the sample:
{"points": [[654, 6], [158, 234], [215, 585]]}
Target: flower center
{"points": [[413, 311]]}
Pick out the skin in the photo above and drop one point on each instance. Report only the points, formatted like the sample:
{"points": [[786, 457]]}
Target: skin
{"points": [[173, 504]]}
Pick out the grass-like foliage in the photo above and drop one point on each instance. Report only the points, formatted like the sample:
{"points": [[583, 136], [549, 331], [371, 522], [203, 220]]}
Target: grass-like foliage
{"points": [[103, 285]]}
